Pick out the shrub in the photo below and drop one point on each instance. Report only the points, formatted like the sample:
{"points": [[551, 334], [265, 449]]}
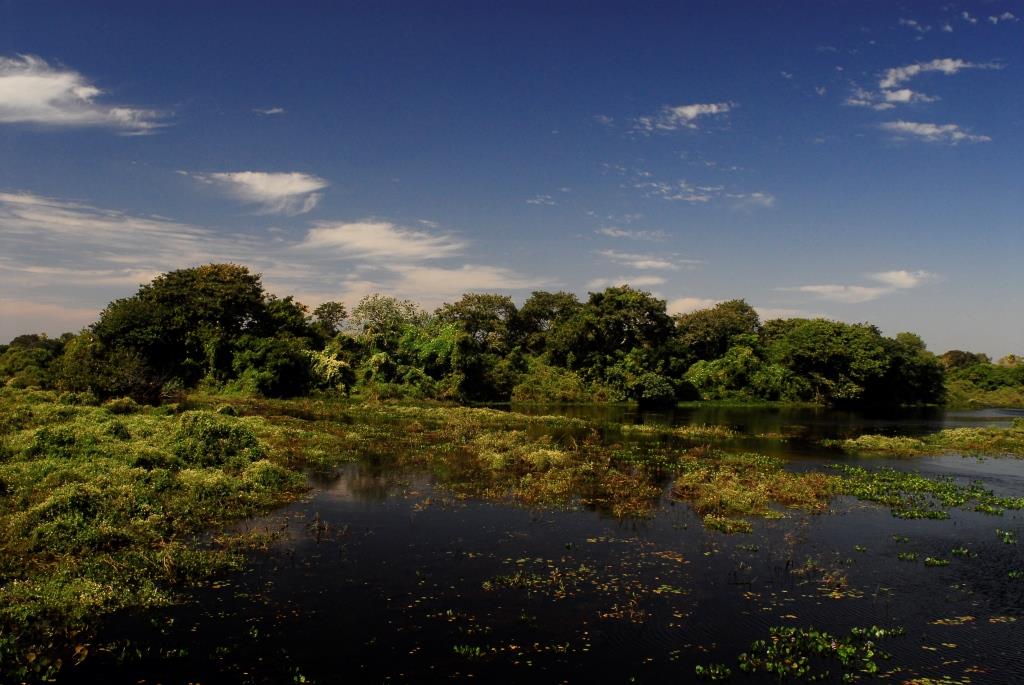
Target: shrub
{"points": [[121, 405], [207, 439]]}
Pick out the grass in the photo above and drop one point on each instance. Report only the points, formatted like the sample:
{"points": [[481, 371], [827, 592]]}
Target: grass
{"points": [[987, 441], [108, 508], [726, 488]]}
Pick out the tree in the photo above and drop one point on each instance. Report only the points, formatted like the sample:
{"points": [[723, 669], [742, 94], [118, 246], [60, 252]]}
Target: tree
{"points": [[185, 323], [542, 312], [381, 320], [490, 321], [708, 333], [329, 318], [838, 361]]}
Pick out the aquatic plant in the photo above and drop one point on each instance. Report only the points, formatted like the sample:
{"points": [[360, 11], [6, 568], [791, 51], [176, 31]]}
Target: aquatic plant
{"points": [[797, 653], [914, 496], [988, 441]]}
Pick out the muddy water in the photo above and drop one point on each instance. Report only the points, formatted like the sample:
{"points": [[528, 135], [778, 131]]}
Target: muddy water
{"points": [[384, 577]]}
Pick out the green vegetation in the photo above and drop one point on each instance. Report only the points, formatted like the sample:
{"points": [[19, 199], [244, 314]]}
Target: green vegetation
{"points": [[801, 654], [972, 380], [988, 441], [215, 328], [913, 496], [725, 487], [103, 509]]}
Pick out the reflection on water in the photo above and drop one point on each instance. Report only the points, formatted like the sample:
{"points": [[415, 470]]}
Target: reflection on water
{"points": [[382, 576]]}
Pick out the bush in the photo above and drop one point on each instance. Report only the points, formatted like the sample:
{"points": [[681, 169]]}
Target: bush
{"points": [[207, 439], [121, 405]]}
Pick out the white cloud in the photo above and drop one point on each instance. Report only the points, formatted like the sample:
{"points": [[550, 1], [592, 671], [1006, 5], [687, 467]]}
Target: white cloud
{"points": [[786, 75], [615, 232], [647, 261], [915, 25], [684, 305], [902, 278], [968, 18], [678, 191], [426, 284], [83, 257], [752, 200], [896, 76], [850, 294], [892, 281], [380, 240], [947, 28], [1005, 16], [604, 119], [890, 87], [275, 193], [269, 111], [820, 90], [545, 200], [681, 116], [33, 92], [638, 281], [932, 133]]}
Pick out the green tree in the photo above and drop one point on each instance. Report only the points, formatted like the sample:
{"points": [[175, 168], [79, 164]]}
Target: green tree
{"points": [[490, 321], [185, 323], [837, 361], [381, 320], [708, 333], [542, 312]]}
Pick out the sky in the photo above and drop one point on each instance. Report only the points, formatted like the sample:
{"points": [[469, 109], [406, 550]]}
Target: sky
{"points": [[861, 161]]}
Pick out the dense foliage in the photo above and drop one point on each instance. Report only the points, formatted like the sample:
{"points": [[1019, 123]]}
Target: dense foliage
{"points": [[215, 327]]}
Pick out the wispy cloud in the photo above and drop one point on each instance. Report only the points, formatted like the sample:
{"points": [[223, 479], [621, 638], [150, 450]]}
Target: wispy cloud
{"points": [[274, 193], [891, 86], [932, 133], [968, 18], [638, 281], [752, 200], [678, 191], [915, 25], [269, 111], [890, 282], [545, 200], [1004, 17], [56, 251], [381, 240], [684, 305], [616, 232], [647, 261], [34, 92], [680, 116]]}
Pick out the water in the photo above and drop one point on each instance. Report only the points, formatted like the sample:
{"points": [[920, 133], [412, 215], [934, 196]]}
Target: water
{"points": [[385, 577]]}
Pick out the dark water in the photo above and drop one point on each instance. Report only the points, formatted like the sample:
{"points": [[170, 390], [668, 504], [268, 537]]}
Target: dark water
{"points": [[383, 577]]}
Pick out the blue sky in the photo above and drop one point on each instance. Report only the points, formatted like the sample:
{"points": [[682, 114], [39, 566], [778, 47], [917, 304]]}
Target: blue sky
{"points": [[855, 160]]}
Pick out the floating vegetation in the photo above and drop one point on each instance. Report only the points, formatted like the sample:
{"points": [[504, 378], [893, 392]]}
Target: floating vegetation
{"points": [[914, 496], [1007, 536], [724, 487], [935, 561], [713, 672], [699, 432], [802, 654], [988, 441], [907, 556]]}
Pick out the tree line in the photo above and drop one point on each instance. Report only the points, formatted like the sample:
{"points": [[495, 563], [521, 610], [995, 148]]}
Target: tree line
{"points": [[215, 327]]}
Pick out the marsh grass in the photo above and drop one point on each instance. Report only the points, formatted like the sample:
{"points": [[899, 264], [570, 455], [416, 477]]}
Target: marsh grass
{"points": [[107, 508], [988, 441], [727, 488]]}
